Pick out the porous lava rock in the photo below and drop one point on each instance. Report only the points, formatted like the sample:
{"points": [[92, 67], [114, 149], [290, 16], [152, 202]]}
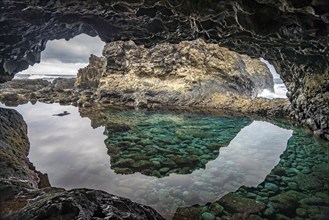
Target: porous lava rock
{"points": [[292, 35], [188, 73]]}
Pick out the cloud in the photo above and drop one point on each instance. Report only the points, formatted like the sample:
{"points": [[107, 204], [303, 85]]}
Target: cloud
{"points": [[63, 57], [55, 67], [76, 50]]}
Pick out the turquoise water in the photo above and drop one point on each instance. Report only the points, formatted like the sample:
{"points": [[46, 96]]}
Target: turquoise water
{"points": [[181, 164]]}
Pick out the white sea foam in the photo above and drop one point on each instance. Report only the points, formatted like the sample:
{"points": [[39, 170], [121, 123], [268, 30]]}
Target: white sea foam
{"points": [[47, 77], [280, 90]]}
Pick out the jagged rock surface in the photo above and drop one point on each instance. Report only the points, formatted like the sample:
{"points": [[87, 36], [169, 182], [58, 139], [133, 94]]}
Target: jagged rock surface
{"points": [[292, 35], [188, 73], [22, 192], [84, 204], [14, 147]]}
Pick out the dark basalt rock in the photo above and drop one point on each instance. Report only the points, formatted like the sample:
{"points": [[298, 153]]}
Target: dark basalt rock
{"points": [[292, 35], [84, 204]]}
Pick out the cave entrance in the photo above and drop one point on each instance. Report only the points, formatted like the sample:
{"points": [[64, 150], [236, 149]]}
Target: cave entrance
{"points": [[63, 58], [280, 89]]}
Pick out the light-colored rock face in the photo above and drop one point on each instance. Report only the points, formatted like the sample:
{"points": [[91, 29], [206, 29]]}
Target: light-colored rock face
{"points": [[89, 76], [186, 73]]}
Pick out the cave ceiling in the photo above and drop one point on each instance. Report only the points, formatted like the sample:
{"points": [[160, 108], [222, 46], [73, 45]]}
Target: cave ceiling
{"points": [[275, 29]]}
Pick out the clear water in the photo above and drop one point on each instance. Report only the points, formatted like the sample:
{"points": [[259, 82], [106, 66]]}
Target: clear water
{"points": [[171, 160]]}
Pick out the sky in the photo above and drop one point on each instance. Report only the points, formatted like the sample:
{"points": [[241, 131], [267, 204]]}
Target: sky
{"points": [[63, 57]]}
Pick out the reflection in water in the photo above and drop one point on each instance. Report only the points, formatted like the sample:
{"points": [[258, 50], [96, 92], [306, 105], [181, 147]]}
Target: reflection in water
{"points": [[161, 144], [74, 155]]}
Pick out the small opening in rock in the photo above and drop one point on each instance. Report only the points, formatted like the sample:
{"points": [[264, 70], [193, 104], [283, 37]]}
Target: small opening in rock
{"points": [[63, 58], [280, 90]]}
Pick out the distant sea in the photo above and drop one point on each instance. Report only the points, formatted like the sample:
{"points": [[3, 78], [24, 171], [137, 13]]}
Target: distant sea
{"points": [[48, 77], [280, 90]]}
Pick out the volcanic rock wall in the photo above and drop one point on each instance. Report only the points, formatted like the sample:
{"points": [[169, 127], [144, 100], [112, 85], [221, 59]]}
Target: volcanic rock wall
{"points": [[291, 34]]}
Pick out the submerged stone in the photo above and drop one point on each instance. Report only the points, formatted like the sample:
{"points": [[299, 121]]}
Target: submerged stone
{"points": [[216, 209], [287, 202], [308, 181], [208, 216], [236, 203], [271, 186]]}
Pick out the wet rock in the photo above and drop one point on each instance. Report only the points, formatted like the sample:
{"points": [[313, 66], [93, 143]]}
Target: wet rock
{"points": [[125, 163], [164, 170], [216, 209], [85, 204], [287, 202], [236, 203], [292, 185], [167, 162], [272, 187], [314, 201], [143, 164], [207, 216], [187, 213], [280, 171], [280, 216], [308, 181], [301, 212], [125, 171], [269, 211]]}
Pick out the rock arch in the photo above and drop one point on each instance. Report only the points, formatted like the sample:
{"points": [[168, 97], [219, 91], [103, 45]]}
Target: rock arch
{"points": [[292, 35]]}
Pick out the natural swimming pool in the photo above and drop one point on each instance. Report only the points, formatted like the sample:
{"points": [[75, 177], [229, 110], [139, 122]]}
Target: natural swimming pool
{"points": [[171, 160]]}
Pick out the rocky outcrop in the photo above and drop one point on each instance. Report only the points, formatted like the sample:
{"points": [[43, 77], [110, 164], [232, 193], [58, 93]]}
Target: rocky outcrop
{"points": [[188, 73], [21, 91], [14, 147], [26, 193], [88, 77]]}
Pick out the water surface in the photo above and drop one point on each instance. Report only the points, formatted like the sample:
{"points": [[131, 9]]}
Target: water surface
{"points": [[162, 159]]}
